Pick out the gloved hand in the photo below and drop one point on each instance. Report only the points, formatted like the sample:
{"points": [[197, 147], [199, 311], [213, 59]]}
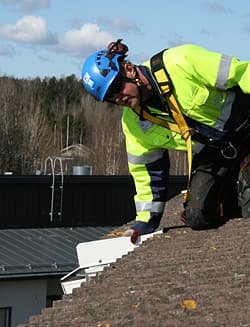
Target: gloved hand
{"points": [[137, 229]]}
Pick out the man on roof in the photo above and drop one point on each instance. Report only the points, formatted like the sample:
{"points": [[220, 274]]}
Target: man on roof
{"points": [[185, 98]]}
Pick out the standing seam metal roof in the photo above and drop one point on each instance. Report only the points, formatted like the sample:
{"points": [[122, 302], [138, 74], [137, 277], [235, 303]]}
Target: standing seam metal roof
{"points": [[43, 251]]}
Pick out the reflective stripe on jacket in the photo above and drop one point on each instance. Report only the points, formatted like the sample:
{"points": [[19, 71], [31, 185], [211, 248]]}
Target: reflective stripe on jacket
{"points": [[201, 82]]}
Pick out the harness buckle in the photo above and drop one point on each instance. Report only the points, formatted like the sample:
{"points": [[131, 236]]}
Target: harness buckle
{"points": [[229, 152]]}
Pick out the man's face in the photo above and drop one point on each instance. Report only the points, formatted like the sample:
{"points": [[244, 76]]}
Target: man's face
{"points": [[123, 92]]}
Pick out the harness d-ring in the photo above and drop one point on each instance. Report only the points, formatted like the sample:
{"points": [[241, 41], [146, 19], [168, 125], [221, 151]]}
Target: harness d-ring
{"points": [[229, 147]]}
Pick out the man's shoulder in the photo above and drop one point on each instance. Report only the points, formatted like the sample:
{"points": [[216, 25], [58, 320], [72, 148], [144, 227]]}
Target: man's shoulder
{"points": [[183, 48]]}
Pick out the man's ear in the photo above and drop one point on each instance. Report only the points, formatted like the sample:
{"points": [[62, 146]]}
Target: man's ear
{"points": [[129, 70]]}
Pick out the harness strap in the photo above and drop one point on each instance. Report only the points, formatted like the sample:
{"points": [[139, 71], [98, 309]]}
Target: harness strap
{"points": [[165, 86], [148, 116], [186, 133]]}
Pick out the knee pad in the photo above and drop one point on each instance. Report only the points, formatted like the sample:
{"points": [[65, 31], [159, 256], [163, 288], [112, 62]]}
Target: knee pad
{"points": [[195, 218], [243, 187]]}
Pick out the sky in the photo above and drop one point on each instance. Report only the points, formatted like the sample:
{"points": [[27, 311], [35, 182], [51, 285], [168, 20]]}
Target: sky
{"points": [[45, 38]]}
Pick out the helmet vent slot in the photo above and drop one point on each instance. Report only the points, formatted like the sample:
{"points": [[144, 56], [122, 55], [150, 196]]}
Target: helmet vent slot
{"points": [[104, 72]]}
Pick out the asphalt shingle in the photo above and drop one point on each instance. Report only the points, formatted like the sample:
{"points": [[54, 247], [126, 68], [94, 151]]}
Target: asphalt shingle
{"points": [[179, 278]]}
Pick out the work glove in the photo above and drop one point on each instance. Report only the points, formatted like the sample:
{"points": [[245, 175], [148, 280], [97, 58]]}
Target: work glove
{"points": [[137, 229]]}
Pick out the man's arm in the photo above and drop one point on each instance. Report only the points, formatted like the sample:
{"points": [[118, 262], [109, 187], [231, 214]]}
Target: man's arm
{"points": [[148, 163]]}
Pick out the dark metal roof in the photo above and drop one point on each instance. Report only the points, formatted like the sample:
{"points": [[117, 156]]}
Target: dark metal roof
{"points": [[43, 251]]}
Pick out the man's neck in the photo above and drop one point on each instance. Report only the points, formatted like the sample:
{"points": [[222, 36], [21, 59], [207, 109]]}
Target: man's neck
{"points": [[151, 96], [146, 88]]}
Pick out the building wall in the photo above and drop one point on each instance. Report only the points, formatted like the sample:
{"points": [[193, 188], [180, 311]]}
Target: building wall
{"points": [[25, 297], [27, 201]]}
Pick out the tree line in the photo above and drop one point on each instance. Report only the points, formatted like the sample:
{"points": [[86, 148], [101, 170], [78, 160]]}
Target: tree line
{"points": [[56, 118]]}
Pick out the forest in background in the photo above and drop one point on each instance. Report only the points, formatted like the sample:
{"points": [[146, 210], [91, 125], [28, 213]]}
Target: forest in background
{"points": [[55, 117]]}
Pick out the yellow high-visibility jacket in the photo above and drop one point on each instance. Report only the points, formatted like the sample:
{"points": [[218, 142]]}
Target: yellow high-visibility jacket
{"points": [[203, 84]]}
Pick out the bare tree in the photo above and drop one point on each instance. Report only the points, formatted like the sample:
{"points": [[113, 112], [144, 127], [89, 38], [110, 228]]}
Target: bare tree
{"points": [[41, 118], [105, 137]]}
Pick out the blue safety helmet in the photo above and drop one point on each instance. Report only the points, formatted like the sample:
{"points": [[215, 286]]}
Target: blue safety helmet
{"points": [[99, 71]]}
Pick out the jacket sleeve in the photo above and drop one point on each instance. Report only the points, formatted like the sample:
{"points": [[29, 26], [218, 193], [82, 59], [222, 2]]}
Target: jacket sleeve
{"points": [[149, 166], [210, 68]]}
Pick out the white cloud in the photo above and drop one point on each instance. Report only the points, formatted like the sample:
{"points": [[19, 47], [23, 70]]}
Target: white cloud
{"points": [[81, 42], [216, 7], [121, 24], [27, 6], [176, 40], [246, 29], [28, 29], [7, 51]]}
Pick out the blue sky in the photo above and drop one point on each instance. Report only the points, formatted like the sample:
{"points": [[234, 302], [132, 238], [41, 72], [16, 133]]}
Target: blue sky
{"points": [[41, 38]]}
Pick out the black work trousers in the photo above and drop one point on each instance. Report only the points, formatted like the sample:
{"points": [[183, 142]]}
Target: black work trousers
{"points": [[218, 189]]}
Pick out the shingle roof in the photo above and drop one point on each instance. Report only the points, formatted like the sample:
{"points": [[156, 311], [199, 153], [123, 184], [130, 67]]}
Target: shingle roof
{"points": [[181, 278], [43, 251]]}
